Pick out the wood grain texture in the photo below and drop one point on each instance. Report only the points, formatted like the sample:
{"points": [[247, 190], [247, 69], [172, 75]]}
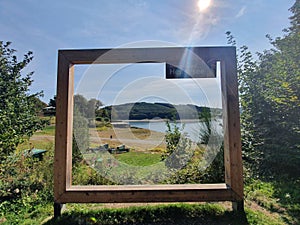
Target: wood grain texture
{"points": [[150, 193]]}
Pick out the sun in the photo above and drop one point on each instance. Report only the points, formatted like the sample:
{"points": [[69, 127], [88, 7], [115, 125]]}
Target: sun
{"points": [[203, 4]]}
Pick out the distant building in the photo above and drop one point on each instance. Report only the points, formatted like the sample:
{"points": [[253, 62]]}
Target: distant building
{"points": [[120, 124], [49, 111]]}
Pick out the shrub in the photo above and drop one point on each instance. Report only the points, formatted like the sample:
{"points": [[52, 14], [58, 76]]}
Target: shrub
{"points": [[25, 183]]}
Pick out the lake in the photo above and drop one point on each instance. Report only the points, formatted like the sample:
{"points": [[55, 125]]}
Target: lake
{"points": [[192, 128]]}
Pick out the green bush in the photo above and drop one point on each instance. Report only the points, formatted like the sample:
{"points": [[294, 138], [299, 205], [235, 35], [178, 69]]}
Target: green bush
{"points": [[192, 162], [192, 172], [80, 141], [172, 136], [25, 183], [18, 114], [83, 174]]}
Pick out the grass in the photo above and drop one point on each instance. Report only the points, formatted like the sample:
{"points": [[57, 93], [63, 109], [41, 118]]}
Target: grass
{"points": [[282, 198], [259, 217], [36, 216], [176, 214], [157, 214], [40, 144], [49, 130], [267, 202], [139, 158]]}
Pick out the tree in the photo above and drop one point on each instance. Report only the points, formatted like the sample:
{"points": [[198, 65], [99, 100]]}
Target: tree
{"points": [[270, 103], [81, 140], [205, 133], [52, 102], [92, 106], [84, 110], [17, 106], [251, 105], [172, 136], [281, 91], [87, 108], [192, 166], [39, 105]]}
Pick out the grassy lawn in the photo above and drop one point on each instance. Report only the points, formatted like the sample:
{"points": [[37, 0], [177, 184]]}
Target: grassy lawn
{"points": [[49, 130], [158, 214], [257, 211], [139, 158], [176, 214], [266, 202]]}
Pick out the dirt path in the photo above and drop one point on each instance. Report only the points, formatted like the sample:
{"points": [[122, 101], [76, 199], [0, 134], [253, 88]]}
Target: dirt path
{"points": [[135, 138], [42, 137]]}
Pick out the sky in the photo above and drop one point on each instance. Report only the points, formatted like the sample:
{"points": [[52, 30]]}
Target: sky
{"points": [[44, 27]]}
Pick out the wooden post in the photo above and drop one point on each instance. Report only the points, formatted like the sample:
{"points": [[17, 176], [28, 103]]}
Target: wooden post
{"points": [[232, 136], [58, 208]]}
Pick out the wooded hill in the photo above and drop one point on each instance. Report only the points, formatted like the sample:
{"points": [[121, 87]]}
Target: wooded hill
{"points": [[144, 110]]}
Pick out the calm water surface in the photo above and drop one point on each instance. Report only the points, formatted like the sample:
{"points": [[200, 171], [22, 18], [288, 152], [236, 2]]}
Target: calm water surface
{"points": [[192, 129]]}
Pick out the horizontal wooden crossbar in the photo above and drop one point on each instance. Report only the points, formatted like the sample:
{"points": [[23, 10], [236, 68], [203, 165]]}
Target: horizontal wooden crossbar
{"points": [[168, 55], [148, 193], [172, 187]]}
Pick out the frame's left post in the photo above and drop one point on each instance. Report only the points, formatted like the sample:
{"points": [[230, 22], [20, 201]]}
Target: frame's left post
{"points": [[58, 207]]}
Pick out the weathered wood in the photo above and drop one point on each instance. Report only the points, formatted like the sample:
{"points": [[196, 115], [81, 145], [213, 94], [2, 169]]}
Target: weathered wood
{"points": [[175, 56], [173, 187], [231, 114], [150, 193], [135, 55], [69, 112], [62, 133]]}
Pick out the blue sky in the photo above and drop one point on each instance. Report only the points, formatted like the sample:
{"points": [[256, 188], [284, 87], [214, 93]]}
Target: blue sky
{"points": [[46, 26]]}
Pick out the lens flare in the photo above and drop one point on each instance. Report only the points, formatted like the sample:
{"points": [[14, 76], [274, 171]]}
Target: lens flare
{"points": [[203, 4]]}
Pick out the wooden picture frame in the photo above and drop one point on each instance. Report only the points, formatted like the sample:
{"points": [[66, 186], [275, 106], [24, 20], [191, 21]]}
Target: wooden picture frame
{"points": [[65, 192]]}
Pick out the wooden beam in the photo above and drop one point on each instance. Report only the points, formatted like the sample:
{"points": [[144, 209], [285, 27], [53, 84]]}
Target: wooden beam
{"points": [[150, 193], [174, 187], [64, 126], [231, 119]]}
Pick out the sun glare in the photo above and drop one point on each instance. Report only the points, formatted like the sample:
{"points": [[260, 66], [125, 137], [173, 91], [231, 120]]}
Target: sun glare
{"points": [[203, 4]]}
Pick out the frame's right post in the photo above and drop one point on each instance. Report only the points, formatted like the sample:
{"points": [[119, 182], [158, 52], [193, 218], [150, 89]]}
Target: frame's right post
{"points": [[232, 134]]}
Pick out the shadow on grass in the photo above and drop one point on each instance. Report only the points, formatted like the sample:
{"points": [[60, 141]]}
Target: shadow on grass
{"points": [[288, 194], [183, 214]]}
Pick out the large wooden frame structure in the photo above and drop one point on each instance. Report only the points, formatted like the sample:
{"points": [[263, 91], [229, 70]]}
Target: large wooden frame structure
{"points": [[65, 192]]}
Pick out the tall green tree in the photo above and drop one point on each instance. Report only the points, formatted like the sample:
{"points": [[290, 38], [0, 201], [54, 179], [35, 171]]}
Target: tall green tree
{"points": [[39, 105], [84, 111], [281, 91], [86, 107], [270, 102], [52, 101], [81, 139], [18, 118]]}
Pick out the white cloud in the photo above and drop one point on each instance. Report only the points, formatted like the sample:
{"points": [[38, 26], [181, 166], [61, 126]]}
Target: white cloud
{"points": [[241, 12]]}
